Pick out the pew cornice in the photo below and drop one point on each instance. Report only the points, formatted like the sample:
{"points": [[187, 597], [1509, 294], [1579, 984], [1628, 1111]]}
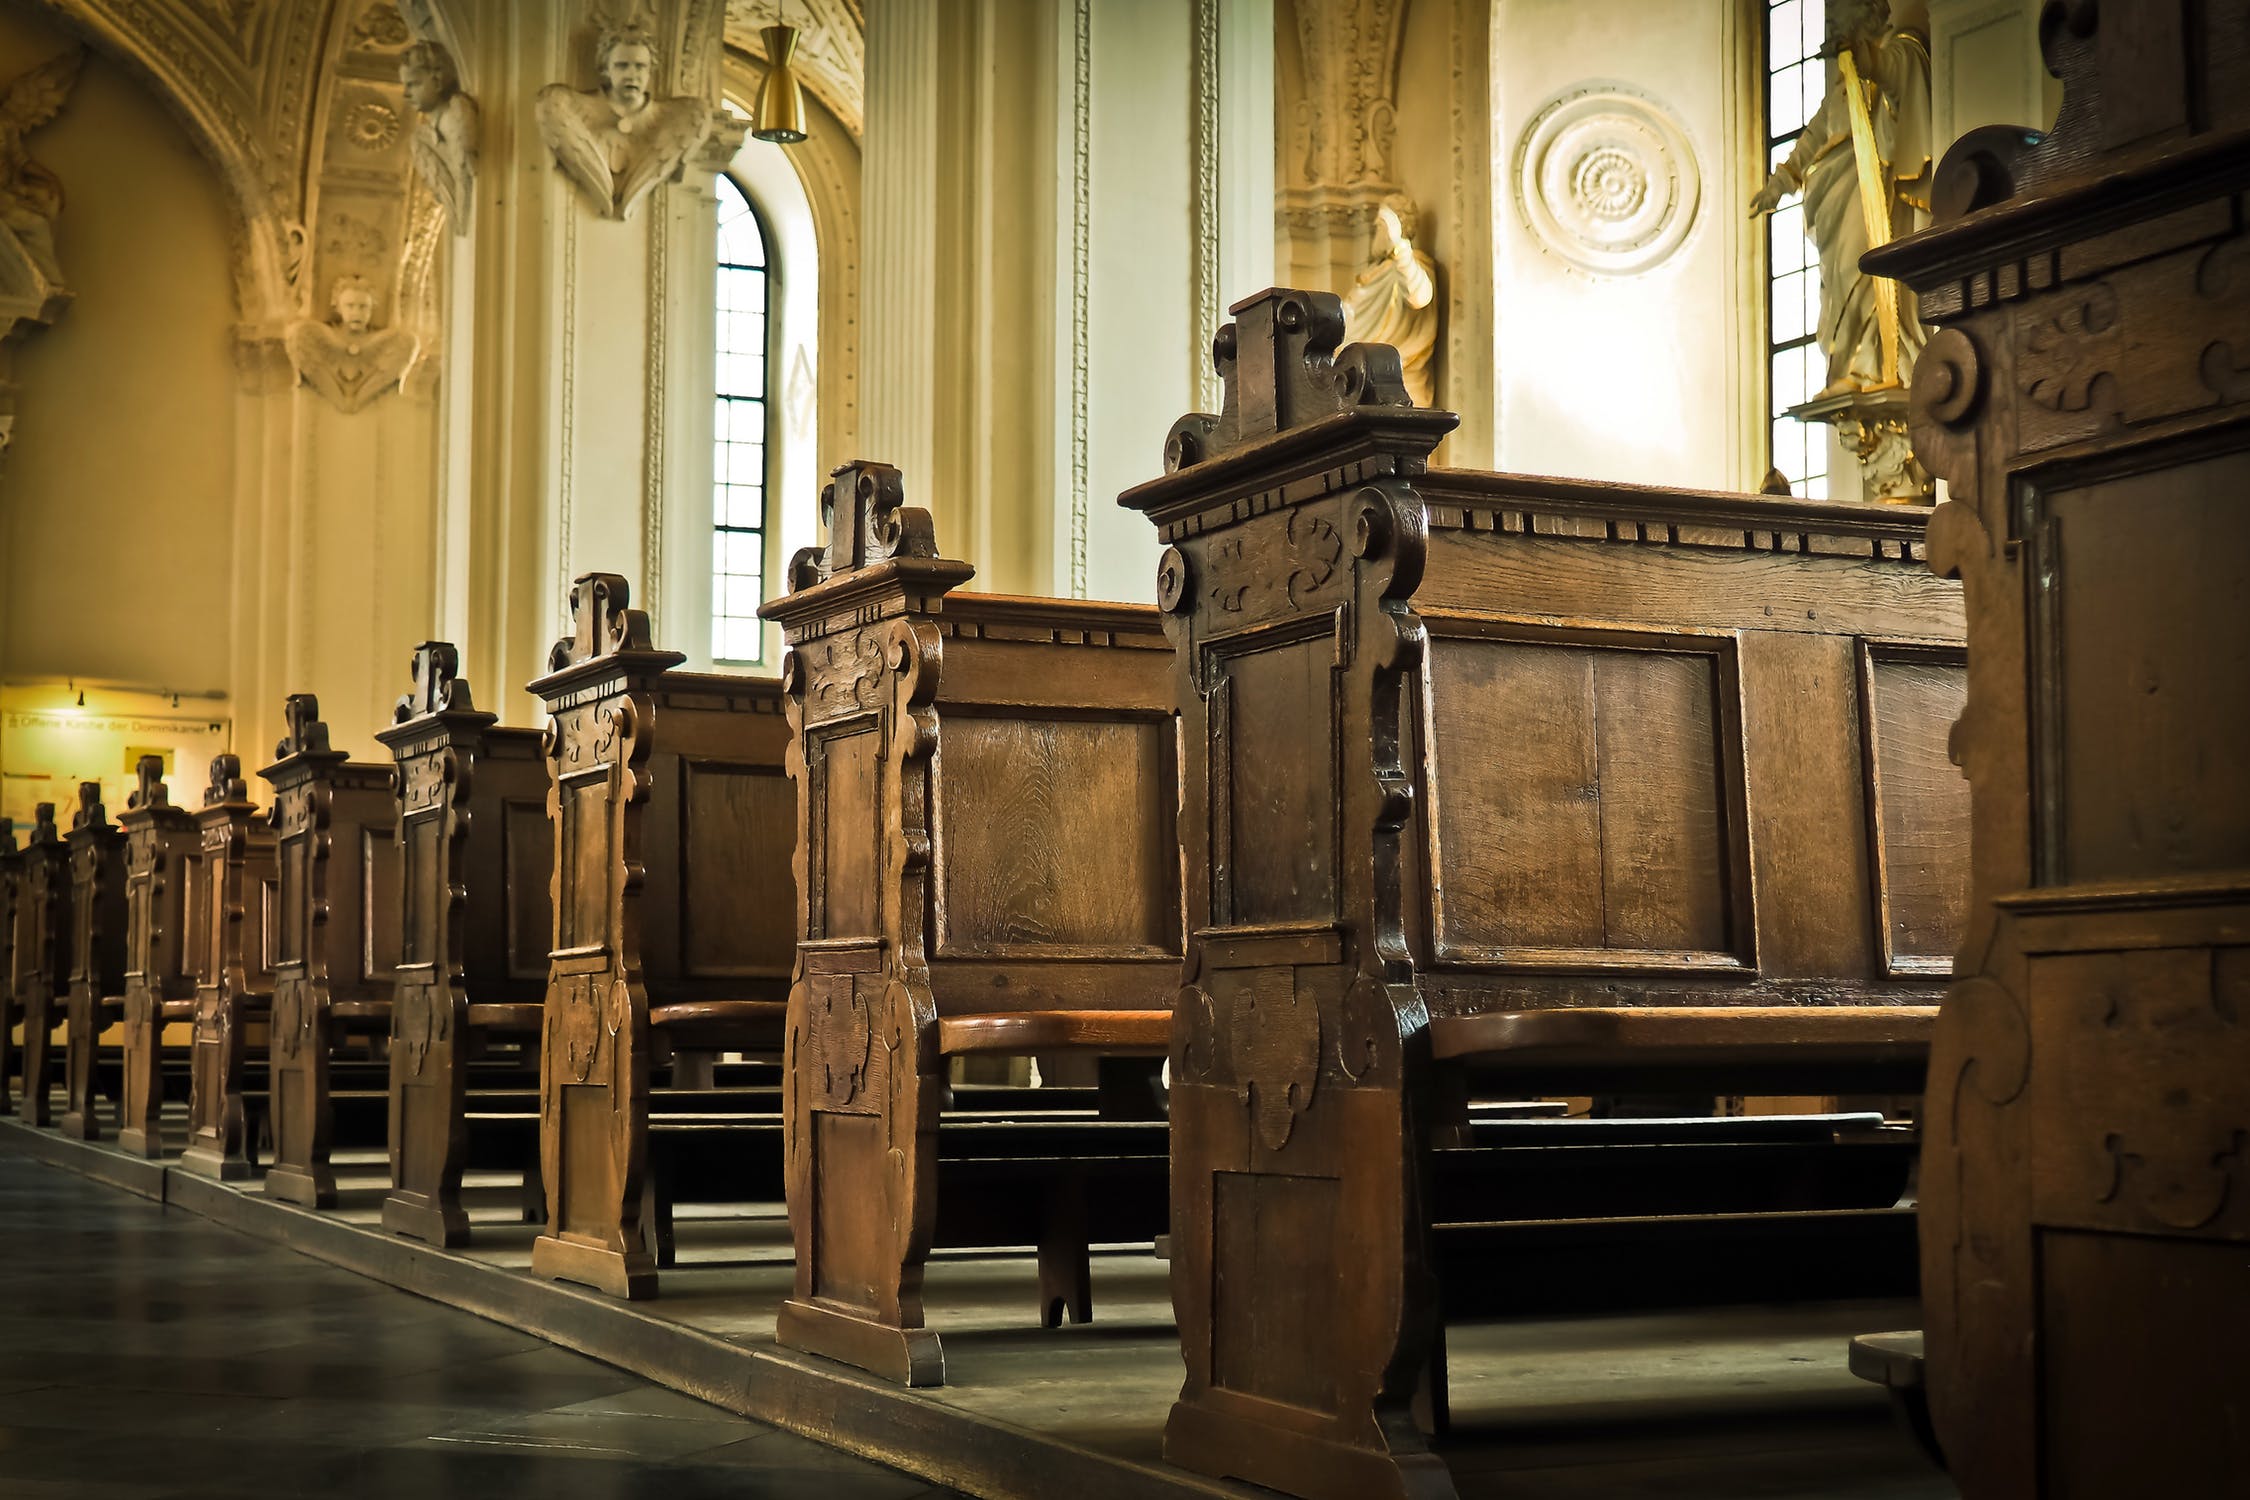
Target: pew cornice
{"points": [[1545, 505]]}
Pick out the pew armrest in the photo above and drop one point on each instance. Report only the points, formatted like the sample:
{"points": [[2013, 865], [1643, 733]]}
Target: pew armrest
{"points": [[1867, 1046], [176, 1010], [512, 1016], [727, 1025], [360, 1012], [1113, 1033]]}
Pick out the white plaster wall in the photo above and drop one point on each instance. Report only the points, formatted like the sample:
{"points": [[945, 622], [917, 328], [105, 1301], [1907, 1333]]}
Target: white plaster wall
{"points": [[1648, 378], [1985, 67], [116, 493]]}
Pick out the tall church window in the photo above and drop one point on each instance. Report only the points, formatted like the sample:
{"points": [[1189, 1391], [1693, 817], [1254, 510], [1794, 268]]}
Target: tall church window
{"points": [[1796, 81], [743, 426]]}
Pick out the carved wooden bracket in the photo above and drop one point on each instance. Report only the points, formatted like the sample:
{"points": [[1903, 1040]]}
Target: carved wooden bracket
{"points": [[226, 783], [1280, 367], [91, 813], [437, 689], [306, 735], [603, 622], [149, 789], [864, 512]]}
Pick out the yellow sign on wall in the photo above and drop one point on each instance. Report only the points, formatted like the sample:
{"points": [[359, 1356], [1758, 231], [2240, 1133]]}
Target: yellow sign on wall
{"points": [[50, 742]]}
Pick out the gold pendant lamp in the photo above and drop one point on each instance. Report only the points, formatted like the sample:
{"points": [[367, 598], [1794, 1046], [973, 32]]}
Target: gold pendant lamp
{"points": [[781, 99]]}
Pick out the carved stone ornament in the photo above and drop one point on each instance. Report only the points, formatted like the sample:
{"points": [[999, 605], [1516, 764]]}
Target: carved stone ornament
{"points": [[348, 359], [446, 135], [1607, 180], [31, 280], [617, 141]]}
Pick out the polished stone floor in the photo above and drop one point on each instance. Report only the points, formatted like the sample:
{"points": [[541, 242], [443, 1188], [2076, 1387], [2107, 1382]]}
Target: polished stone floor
{"points": [[145, 1352]]}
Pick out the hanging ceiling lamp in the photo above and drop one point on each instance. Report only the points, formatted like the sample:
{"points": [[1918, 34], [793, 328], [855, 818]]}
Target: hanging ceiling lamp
{"points": [[781, 100]]}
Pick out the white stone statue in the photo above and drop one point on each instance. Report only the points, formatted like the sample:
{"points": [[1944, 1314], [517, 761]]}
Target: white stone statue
{"points": [[30, 194], [617, 142], [445, 138], [347, 358], [1894, 71], [1394, 298]]}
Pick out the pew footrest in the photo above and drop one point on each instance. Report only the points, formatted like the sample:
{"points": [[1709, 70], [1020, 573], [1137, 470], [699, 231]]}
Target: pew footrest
{"points": [[1113, 1033]]}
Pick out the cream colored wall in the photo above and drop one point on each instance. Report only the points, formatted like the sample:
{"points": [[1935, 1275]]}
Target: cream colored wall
{"points": [[1650, 377], [117, 489]]}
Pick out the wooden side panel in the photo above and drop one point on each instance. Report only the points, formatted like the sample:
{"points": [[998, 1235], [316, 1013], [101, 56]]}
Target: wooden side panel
{"points": [[295, 870], [379, 903], [1581, 800], [737, 899], [1919, 803], [846, 769], [1056, 834], [1805, 770], [422, 871], [527, 854], [582, 902], [1273, 800], [2149, 585]]}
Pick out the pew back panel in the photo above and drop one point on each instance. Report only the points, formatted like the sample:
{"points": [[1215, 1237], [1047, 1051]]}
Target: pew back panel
{"points": [[671, 902], [163, 855], [97, 954], [335, 823]]}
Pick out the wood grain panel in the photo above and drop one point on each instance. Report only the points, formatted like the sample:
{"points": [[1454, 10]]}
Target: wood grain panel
{"points": [[1807, 805], [1920, 801], [583, 900], [2151, 586], [1273, 1332], [379, 902], [527, 854], [1056, 832], [847, 777], [1274, 777], [295, 856], [1579, 799], [737, 900], [419, 875]]}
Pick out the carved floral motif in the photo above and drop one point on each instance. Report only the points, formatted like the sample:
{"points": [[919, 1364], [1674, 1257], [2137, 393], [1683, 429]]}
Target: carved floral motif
{"points": [[1607, 180]]}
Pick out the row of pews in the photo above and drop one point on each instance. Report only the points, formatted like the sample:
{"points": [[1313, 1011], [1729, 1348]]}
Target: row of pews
{"points": [[1421, 800]]}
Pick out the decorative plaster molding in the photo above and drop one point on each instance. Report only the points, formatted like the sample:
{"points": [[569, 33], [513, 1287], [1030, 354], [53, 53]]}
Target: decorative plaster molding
{"points": [[32, 291], [1348, 51], [652, 404], [1607, 179], [1205, 294], [567, 449], [616, 142], [1081, 271]]}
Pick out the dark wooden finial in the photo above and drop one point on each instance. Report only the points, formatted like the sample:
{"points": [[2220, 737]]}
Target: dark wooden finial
{"points": [[91, 813], [437, 689], [1280, 367], [603, 622], [227, 784], [149, 789], [43, 830], [307, 734], [7, 835], [863, 509]]}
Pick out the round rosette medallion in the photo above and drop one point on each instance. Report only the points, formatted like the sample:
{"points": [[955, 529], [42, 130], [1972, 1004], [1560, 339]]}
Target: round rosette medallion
{"points": [[1607, 180]]}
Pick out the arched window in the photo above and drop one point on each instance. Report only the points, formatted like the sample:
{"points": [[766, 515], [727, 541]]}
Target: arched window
{"points": [[742, 428], [1796, 80]]}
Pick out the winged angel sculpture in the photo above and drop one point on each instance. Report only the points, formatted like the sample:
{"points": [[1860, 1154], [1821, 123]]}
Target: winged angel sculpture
{"points": [[30, 194], [617, 142]]}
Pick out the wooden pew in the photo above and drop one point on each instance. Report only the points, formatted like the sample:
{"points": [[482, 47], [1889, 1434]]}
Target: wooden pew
{"points": [[163, 859], [232, 925], [2085, 1219], [11, 881], [336, 954], [97, 955], [42, 958], [476, 922], [985, 795], [1595, 788], [669, 807]]}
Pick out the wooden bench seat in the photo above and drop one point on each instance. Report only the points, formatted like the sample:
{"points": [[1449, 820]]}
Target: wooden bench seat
{"points": [[42, 959], [475, 860], [232, 916], [668, 805], [986, 792], [1466, 748], [336, 943], [1751, 1049]]}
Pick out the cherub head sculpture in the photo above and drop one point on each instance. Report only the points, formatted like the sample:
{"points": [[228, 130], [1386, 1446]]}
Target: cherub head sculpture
{"points": [[1397, 221], [427, 70], [625, 57], [352, 300]]}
